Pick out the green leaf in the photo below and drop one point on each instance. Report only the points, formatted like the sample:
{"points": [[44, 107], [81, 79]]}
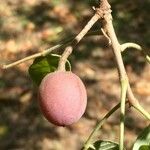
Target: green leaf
{"points": [[43, 65], [104, 145], [143, 140], [145, 147]]}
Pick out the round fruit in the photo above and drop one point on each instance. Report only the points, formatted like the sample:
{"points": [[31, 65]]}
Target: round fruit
{"points": [[62, 97]]}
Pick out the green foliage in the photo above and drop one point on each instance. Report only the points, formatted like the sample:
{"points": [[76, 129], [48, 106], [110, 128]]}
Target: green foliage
{"points": [[145, 147], [143, 140], [44, 65], [103, 145]]}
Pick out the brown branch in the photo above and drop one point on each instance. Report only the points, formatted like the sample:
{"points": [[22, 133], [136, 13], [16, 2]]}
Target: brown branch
{"points": [[69, 49], [115, 45], [106, 36], [98, 15], [63, 44], [137, 47], [108, 26], [43, 53]]}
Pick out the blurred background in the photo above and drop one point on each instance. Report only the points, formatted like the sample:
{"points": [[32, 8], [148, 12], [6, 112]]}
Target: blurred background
{"points": [[29, 26]]}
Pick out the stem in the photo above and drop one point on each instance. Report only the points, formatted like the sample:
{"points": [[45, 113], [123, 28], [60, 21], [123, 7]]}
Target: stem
{"points": [[130, 45], [124, 85], [136, 46], [99, 125], [69, 49], [136, 105], [63, 58], [115, 45], [47, 51], [108, 26], [69, 65], [43, 53], [139, 108]]}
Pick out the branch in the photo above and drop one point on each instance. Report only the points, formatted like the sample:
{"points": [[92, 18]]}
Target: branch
{"points": [[43, 53], [115, 45], [108, 26], [124, 86], [47, 51], [69, 49], [99, 125], [106, 36], [136, 46], [136, 105], [100, 12], [130, 45]]}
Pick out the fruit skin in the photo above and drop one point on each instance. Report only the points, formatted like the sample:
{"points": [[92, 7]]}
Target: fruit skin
{"points": [[62, 98]]}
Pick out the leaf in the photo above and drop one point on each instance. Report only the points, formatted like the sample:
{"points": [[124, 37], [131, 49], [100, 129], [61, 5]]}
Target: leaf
{"points": [[145, 147], [143, 140], [105, 145], [43, 65]]}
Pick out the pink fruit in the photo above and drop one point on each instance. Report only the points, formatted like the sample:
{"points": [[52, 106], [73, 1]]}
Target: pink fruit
{"points": [[62, 97]]}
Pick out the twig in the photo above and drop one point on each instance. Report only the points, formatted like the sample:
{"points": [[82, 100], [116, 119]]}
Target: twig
{"points": [[107, 37], [47, 51], [122, 74], [130, 45], [140, 109], [124, 85], [100, 124], [136, 105], [69, 49], [43, 53], [115, 45], [87, 27], [136, 46], [117, 51]]}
